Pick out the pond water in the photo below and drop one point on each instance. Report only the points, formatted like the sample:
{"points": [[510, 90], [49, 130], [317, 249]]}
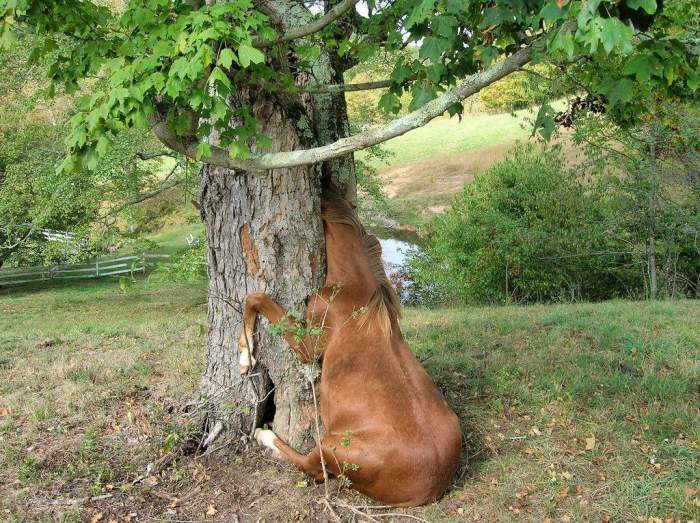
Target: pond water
{"points": [[394, 252]]}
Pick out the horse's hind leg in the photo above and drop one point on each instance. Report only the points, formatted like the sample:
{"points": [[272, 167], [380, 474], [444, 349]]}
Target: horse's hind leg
{"points": [[310, 464]]}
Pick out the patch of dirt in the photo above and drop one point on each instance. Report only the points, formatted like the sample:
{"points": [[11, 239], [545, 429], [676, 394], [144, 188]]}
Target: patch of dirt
{"points": [[440, 175], [227, 486], [439, 178]]}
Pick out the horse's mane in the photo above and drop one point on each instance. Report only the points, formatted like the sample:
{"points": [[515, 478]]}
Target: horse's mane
{"points": [[383, 306]]}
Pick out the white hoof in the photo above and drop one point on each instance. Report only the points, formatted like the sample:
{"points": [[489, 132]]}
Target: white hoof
{"points": [[266, 438]]}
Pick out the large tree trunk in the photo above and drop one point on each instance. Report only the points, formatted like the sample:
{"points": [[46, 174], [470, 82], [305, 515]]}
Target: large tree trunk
{"points": [[264, 234]]}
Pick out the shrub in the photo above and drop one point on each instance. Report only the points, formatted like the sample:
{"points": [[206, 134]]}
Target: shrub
{"points": [[189, 264], [525, 230]]}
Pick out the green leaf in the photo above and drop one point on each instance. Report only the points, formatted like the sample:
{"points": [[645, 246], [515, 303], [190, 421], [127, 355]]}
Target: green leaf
{"points": [[456, 109], [544, 123], [203, 151], [551, 12], [619, 91], [226, 58], [219, 78], [420, 13], [219, 110], [446, 25], [179, 67], [615, 34], [693, 81], [487, 55], [239, 149], [103, 145], [308, 53], [454, 6], [434, 72], [433, 48], [401, 73], [422, 94], [91, 159], [494, 16], [648, 5], [249, 55], [642, 66], [390, 103]]}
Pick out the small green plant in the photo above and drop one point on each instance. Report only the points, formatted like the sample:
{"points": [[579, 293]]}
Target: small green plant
{"points": [[345, 440], [171, 440], [189, 264], [126, 283], [28, 471], [343, 480], [526, 230]]}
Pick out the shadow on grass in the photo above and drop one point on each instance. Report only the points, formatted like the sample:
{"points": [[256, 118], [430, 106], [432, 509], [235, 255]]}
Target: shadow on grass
{"points": [[463, 391]]}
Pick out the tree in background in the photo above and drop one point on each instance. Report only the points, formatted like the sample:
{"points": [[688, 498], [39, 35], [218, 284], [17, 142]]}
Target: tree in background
{"points": [[646, 147], [94, 206], [255, 91], [653, 168]]}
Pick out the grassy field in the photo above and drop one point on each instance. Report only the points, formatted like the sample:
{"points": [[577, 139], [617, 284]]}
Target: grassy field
{"points": [[173, 238], [431, 164], [444, 136], [570, 412]]}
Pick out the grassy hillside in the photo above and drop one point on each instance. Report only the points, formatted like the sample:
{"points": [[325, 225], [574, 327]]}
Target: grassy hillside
{"points": [[431, 164], [444, 136], [569, 412]]}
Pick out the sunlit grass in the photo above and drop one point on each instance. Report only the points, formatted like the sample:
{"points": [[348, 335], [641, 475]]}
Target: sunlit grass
{"points": [[444, 136]]}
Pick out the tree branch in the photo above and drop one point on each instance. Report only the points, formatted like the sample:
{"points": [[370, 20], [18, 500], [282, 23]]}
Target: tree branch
{"points": [[155, 154], [262, 162], [312, 27], [346, 88]]}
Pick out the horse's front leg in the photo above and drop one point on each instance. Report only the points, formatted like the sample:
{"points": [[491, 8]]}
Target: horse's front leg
{"points": [[261, 303]]}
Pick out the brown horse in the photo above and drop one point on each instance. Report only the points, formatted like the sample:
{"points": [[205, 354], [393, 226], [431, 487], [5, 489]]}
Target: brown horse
{"points": [[387, 428]]}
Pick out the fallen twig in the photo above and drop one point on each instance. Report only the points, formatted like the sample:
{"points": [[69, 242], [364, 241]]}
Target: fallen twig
{"points": [[330, 509], [372, 517]]}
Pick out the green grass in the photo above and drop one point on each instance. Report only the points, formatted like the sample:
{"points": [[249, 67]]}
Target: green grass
{"points": [[172, 239], [86, 371], [533, 384], [444, 136], [570, 412]]}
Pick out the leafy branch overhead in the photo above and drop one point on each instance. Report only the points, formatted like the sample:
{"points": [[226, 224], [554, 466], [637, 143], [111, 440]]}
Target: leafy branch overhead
{"points": [[176, 65]]}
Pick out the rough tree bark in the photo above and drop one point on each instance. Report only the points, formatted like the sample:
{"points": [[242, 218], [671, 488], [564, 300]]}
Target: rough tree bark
{"points": [[264, 234]]}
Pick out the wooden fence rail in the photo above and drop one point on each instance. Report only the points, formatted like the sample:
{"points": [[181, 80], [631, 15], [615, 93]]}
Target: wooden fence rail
{"points": [[97, 269]]}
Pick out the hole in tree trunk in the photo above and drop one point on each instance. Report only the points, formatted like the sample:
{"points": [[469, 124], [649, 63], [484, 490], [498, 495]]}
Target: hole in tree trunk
{"points": [[269, 409]]}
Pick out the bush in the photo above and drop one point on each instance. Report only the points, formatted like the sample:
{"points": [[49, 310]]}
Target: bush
{"points": [[186, 265], [525, 230]]}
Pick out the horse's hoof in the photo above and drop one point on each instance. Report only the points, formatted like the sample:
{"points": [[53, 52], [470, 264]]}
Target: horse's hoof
{"points": [[266, 438]]}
